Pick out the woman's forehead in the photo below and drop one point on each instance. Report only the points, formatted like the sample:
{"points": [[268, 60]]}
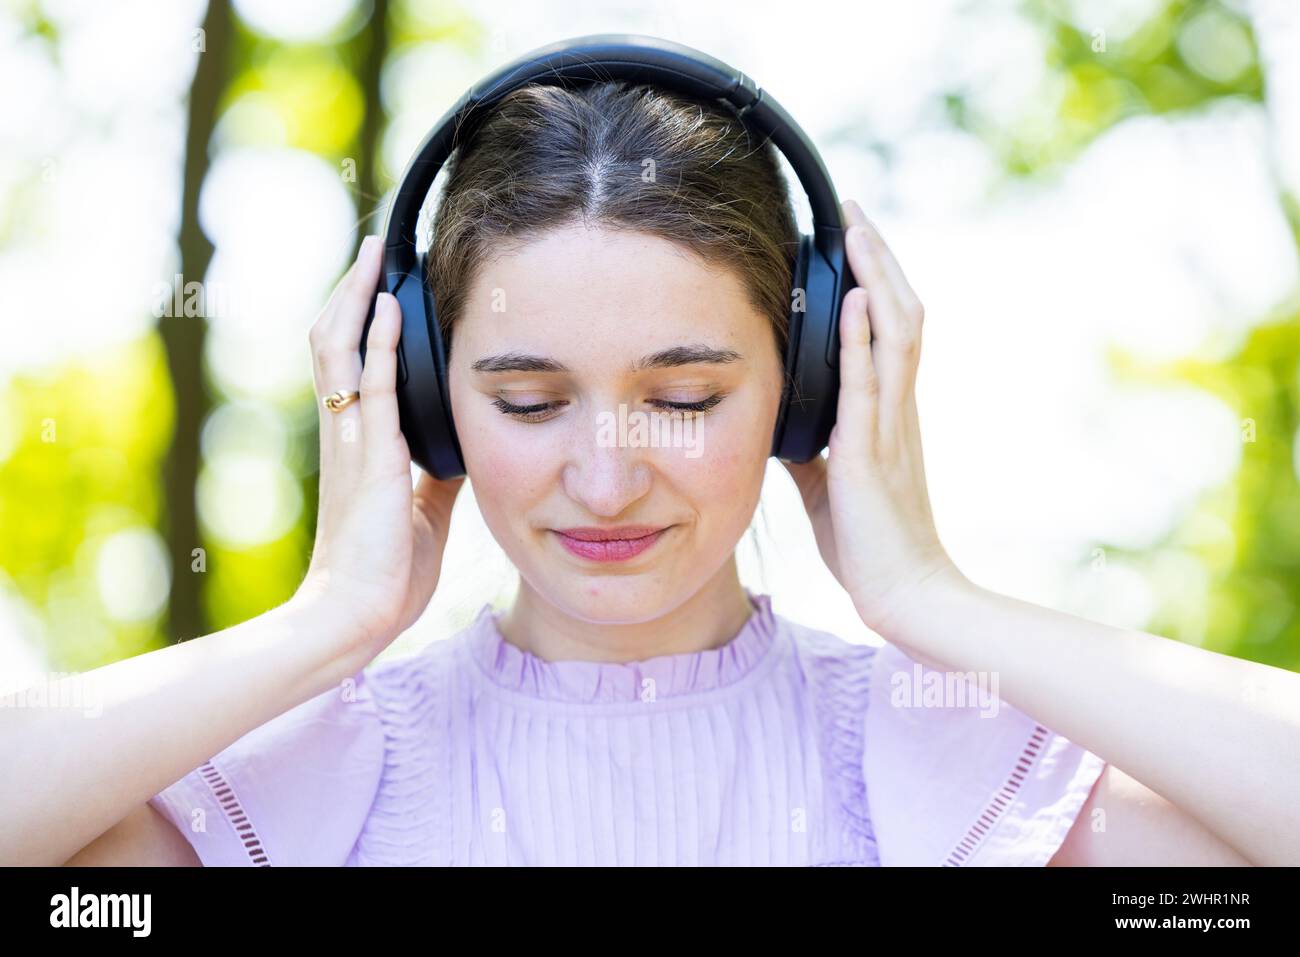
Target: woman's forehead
{"points": [[592, 270], [603, 300]]}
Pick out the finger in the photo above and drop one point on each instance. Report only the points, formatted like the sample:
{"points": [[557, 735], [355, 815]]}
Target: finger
{"points": [[436, 497], [808, 476], [857, 408], [336, 370], [336, 338], [902, 289], [894, 344], [350, 303], [380, 424], [853, 214], [864, 251], [909, 303], [337, 292], [358, 294], [913, 318], [802, 471], [915, 451]]}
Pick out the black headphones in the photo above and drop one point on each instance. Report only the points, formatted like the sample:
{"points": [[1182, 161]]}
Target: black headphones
{"points": [[809, 398]]}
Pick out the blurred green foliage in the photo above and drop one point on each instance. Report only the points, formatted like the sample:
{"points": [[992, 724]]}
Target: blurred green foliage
{"points": [[1245, 537], [1185, 56], [89, 443], [310, 93], [111, 418]]}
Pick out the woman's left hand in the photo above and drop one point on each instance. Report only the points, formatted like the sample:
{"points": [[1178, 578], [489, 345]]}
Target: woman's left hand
{"points": [[867, 500]]}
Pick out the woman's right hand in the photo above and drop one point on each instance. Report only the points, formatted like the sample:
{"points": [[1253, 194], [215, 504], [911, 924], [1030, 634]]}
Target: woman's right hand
{"points": [[379, 545]]}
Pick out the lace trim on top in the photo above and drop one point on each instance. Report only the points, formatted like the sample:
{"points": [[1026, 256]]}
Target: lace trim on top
{"points": [[1002, 800], [234, 812]]}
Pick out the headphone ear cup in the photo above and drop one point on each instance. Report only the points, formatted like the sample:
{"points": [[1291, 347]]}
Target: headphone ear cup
{"points": [[794, 333], [810, 396], [423, 404], [440, 426]]}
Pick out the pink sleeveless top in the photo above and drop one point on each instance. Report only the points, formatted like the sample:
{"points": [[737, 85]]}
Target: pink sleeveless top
{"points": [[786, 746]]}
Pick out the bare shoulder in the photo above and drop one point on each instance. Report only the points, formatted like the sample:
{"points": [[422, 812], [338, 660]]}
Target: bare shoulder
{"points": [[144, 838]]}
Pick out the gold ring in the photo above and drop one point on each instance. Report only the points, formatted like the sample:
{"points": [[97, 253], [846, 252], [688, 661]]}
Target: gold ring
{"points": [[340, 400]]}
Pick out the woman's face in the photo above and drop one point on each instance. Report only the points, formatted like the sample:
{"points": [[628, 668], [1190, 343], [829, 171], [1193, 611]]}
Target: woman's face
{"points": [[599, 331]]}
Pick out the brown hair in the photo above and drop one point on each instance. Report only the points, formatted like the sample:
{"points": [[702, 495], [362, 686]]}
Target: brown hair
{"points": [[546, 157]]}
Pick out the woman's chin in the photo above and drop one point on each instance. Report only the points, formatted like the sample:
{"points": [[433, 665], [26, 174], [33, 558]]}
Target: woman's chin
{"points": [[614, 600]]}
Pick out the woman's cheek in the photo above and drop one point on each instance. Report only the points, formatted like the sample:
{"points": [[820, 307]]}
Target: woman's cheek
{"points": [[507, 464], [731, 469], [717, 461], [506, 487]]}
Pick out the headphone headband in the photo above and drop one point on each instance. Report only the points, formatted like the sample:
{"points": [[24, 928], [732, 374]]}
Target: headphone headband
{"points": [[598, 58], [821, 277]]}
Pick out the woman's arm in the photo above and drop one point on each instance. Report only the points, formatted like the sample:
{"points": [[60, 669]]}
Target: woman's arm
{"points": [[1126, 824], [72, 773], [69, 776], [1211, 736], [1215, 736], [144, 838]]}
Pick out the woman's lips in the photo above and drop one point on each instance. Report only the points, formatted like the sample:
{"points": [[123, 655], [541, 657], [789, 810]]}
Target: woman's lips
{"points": [[609, 544]]}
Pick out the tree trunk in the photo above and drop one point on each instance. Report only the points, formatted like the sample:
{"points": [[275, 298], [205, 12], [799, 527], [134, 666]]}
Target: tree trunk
{"points": [[183, 336]]}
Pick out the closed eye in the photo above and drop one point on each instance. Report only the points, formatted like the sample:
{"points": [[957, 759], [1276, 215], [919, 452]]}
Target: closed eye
{"points": [[704, 405], [536, 413], [528, 412]]}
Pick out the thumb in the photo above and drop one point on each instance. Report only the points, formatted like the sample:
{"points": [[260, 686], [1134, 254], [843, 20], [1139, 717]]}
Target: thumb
{"points": [[808, 476], [435, 497]]}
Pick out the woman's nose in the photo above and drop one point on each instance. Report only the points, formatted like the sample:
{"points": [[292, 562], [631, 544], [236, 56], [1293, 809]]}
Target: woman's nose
{"points": [[604, 476]]}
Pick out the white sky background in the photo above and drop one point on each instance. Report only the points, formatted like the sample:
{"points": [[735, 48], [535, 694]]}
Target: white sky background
{"points": [[1163, 237]]}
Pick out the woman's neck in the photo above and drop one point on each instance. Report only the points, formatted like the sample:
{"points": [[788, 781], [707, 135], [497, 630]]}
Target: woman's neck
{"points": [[708, 619]]}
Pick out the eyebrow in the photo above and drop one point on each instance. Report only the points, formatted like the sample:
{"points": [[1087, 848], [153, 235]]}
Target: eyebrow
{"points": [[694, 354]]}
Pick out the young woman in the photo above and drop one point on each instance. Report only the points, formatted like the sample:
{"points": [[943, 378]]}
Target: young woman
{"points": [[636, 704]]}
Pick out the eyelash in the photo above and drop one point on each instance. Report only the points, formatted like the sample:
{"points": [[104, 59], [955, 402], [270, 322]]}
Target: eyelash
{"points": [[534, 413]]}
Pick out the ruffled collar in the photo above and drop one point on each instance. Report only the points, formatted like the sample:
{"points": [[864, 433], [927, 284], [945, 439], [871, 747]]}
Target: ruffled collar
{"points": [[572, 680]]}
